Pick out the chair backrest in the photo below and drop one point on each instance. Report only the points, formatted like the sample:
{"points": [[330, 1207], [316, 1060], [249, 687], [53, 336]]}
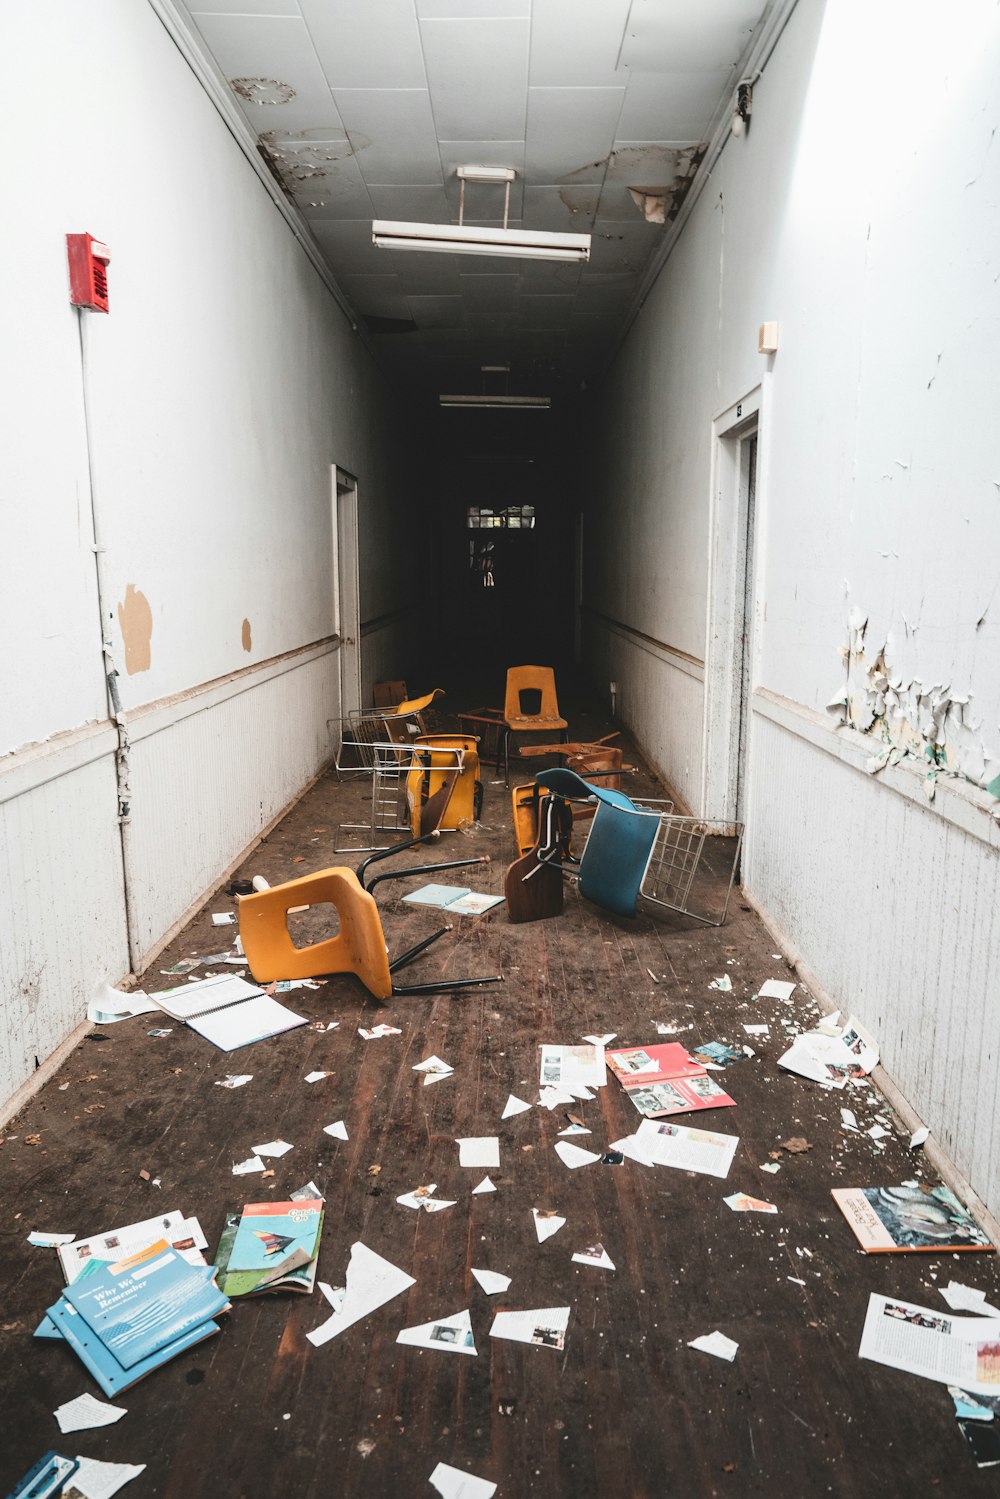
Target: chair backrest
{"points": [[616, 856], [540, 679], [443, 762], [358, 948]]}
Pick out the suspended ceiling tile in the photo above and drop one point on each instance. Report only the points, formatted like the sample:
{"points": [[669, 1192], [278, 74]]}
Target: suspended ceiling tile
{"points": [[428, 275], [323, 176], [265, 50], [437, 312], [478, 74], [546, 311], [652, 163], [570, 133], [463, 10], [489, 294], [548, 275], [676, 35], [603, 296], [366, 46], [671, 106], [423, 205], [348, 246], [623, 247], [566, 210], [392, 131], [245, 8], [576, 42], [376, 296]]}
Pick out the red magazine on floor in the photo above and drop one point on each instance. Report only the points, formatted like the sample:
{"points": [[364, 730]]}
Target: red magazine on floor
{"points": [[663, 1080]]}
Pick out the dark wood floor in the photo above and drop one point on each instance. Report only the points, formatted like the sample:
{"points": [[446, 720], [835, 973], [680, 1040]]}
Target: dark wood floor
{"points": [[627, 1408]]}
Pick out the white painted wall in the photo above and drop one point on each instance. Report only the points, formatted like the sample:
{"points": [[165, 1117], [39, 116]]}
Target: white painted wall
{"points": [[221, 389], [861, 213]]}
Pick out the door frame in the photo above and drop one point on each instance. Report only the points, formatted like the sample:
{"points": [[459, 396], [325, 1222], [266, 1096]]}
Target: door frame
{"points": [[733, 591], [346, 587]]}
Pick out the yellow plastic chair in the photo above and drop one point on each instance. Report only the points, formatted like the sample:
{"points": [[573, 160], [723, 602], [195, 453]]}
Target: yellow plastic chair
{"points": [[359, 946], [437, 771], [547, 720]]}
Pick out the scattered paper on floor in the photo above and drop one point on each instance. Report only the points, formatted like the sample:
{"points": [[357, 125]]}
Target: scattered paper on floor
{"points": [[371, 1282], [575, 1129], [379, 1030], [546, 1223], [685, 1148], [545, 1327], [448, 1334], [49, 1241], [717, 1344], [248, 1167], [423, 1197], [316, 1077], [740, 1202], [273, 1148], [97, 1480], [434, 1069], [108, 1006], [921, 1340], [962, 1298], [492, 1282], [484, 1186], [479, 1150], [338, 1131], [595, 1255], [234, 1080], [86, 1412], [573, 1156], [572, 1067], [776, 989], [601, 1040], [455, 1483], [514, 1106]]}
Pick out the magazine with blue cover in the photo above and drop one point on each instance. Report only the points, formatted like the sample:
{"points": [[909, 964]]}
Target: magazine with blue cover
{"points": [[138, 1305], [112, 1377]]}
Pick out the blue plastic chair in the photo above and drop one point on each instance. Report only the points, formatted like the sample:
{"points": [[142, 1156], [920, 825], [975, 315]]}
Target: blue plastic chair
{"points": [[620, 845]]}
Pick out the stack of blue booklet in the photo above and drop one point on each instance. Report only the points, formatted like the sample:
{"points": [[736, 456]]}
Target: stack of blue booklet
{"points": [[135, 1314]]}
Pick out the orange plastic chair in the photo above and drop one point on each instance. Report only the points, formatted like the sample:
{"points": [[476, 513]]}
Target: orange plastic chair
{"points": [[359, 947], [436, 770], [547, 720]]}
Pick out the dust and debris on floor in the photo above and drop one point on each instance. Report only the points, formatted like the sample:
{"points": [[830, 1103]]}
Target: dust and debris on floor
{"points": [[676, 1303]]}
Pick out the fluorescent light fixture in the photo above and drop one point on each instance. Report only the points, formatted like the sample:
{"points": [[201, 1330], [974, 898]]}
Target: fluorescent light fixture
{"points": [[519, 403], [463, 239]]}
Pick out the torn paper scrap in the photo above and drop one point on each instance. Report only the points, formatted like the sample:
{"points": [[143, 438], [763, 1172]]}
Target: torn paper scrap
{"points": [[632, 1147], [423, 1197], [484, 1186], [919, 1137], [108, 1005], [309, 1193], [717, 1344], [849, 1119], [776, 989], [963, 1298], [96, 1480], [832, 1059], [223, 918], [551, 1098], [248, 1167], [514, 1106], [601, 1040], [371, 1282], [547, 1223], [86, 1412], [545, 1327], [741, 1202], [338, 1130], [449, 1334], [595, 1255], [724, 983], [434, 1069], [492, 1282], [455, 1483], [919, 1340], [572, 1155], [379, 1030], [772, 1166], [968, 1409], [273, 1147], [878, 1132], [759, 1028], [49, 1241], [479, 1150], [316, 1077], [575, 1129], [234, 1080]]}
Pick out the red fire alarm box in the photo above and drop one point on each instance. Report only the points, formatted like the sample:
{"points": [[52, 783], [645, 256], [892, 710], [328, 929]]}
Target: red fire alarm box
{"points": [[88, 272]]}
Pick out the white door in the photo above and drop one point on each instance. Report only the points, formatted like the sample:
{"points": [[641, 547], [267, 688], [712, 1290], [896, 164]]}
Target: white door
{"points": [[347, 592]]}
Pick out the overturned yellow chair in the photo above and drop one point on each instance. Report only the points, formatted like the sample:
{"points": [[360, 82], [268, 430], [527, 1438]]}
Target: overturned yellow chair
{"points": [[358, 948]]}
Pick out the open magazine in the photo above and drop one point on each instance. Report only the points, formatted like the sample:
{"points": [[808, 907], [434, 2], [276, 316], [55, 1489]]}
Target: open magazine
{"points": [[963, 1351]]}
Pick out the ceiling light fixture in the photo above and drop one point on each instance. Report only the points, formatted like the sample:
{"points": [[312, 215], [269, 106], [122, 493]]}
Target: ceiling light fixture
{"points": [[488, 402], [462, 239]]}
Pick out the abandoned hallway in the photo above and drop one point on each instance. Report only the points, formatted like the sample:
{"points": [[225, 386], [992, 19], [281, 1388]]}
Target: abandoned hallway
{"points": [[366, 342]]}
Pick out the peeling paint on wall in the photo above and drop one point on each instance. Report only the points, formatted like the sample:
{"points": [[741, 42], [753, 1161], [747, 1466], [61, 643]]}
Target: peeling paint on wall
{"points": [[135, 619], [246, 637], [914, 721]]}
